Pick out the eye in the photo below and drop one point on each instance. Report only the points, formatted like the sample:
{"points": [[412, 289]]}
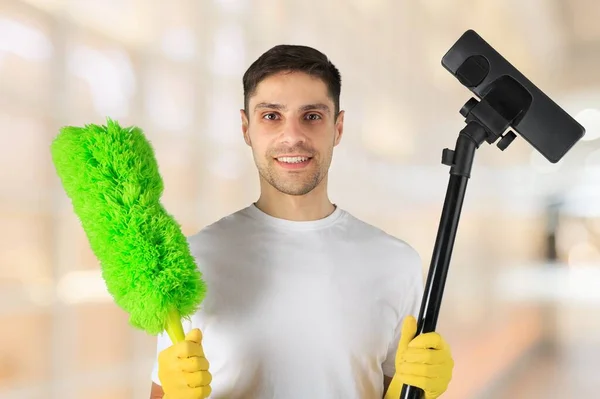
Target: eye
{"points": [[270, 116], [313, 117]]}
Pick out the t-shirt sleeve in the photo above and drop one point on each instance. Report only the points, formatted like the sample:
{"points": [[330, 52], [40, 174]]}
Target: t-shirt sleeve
{"points": [[410, 305], [163, 342]]}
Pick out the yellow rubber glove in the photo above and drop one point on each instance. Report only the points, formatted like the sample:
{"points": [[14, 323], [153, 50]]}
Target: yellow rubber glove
{"points": [[424, 362], [183, 369]]}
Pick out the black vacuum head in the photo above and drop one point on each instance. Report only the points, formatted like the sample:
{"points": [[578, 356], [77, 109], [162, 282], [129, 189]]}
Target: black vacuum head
{"points": [[532, 114]]}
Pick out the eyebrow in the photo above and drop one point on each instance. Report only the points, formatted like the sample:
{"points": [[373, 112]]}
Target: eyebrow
{"points": [[281, 107]]}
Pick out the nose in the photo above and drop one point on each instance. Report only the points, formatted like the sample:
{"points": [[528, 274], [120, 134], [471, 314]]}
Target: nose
{"points": [[293, 132]]}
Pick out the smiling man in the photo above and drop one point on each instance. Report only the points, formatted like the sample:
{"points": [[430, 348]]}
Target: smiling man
{"points": [[304, 299]]}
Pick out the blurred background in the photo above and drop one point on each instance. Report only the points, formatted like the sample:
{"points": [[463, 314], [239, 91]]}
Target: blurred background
{"points": [[522, 302]]}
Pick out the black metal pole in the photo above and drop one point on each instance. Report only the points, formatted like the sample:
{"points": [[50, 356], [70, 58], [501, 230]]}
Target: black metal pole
{"points": [[461, 161]]}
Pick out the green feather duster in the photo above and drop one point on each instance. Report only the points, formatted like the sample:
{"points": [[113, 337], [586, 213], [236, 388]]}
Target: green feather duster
{"points": [[112, 178]]}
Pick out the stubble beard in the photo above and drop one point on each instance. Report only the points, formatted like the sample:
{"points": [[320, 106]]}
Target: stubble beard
{"points": [[292, 183]]}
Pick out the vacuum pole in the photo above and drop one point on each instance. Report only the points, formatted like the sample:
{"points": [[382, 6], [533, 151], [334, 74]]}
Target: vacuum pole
{"points": [[460, 160]]}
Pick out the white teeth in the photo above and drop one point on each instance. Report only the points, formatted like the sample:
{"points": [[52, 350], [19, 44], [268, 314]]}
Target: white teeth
{"points": [[292, 159]]}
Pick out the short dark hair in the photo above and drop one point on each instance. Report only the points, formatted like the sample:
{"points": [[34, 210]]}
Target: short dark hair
{"points": [[293, 58]]}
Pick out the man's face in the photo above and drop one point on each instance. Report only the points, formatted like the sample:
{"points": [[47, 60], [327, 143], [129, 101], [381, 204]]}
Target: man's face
{"points": [[292, 130]]}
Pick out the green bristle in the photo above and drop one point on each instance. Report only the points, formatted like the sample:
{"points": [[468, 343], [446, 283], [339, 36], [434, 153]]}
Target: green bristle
{"points": [[111, 175]]}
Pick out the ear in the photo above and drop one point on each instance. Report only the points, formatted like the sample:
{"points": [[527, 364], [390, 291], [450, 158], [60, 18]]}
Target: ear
{"points": [[339, 128], [245, 124]]}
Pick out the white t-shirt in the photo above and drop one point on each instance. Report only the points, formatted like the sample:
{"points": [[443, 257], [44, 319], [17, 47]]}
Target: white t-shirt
{"points": [[299, 310]]}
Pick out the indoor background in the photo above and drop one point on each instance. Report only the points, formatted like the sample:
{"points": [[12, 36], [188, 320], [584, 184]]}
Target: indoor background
{"points": [[522, 303]]}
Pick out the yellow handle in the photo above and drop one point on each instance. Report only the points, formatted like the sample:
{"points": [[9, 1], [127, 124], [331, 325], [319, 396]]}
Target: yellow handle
{"points": [[173, 326]]}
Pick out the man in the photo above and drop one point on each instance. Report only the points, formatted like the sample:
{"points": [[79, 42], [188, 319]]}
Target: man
{"points": [[304, 300]]}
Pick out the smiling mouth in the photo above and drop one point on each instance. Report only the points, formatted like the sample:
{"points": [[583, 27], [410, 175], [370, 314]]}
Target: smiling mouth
{"points": [[293, 160]]}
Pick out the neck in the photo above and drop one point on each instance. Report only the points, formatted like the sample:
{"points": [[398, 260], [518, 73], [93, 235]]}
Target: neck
{"points": [[312, 206]]}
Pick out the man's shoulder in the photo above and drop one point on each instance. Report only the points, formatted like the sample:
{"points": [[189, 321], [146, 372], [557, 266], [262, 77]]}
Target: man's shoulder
{"points": [[376, 235], [229, 227], [382, 244], [398, 262]]}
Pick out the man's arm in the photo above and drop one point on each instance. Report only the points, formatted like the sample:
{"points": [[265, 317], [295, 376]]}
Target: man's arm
{"points": [[156, 392], [386, 384]]}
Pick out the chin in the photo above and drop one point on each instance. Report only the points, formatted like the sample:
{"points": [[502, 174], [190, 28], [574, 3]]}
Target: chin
{"points": [[296, 193], [296, 189]]}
